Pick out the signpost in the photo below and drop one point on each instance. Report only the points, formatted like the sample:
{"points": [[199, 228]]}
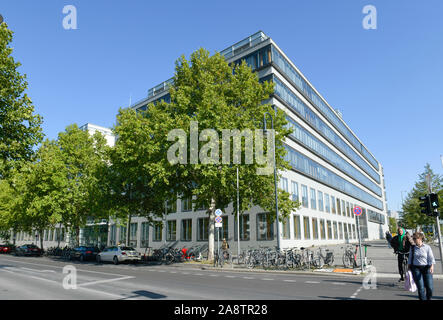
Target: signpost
{"points": [[358, 211], [218, 225]]}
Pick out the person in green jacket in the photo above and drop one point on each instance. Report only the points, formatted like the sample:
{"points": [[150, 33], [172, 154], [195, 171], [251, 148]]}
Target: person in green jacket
{"points": [[401, 244]]}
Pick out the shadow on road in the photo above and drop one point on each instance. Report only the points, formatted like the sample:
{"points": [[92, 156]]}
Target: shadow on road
{"points": [[146, 294]]}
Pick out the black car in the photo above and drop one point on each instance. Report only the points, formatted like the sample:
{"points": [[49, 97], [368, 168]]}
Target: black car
{"points": [[28, 250], [84, 253]]}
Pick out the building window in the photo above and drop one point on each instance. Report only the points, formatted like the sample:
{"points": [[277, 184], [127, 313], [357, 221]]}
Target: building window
{"points": [[327, 203], [46, 235], [343, 208], [144, 240], [329, 230], [353, 232], [186, 204], [307, 228], [304, 196], [285, 228], [203, 229], [294, 189], [315, 228], [335, 231], [133, 234], [158, 232], [122, 238], [171, 230], [297, 227], [265, 228], [340, 226], [322, 229], [244, 227], [113, 235], [313, 199], [348, 209], [345, 226], [333, 204], [338, 206], [186, 230], [171, 206], [284, 184], [225, 230], [320, 200]]}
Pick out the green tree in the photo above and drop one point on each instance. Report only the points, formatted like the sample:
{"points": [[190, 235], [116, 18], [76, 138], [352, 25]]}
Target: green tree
{"points": [[412, 216], [209, 92], [393, 225], [20, 128], [130, 184]]}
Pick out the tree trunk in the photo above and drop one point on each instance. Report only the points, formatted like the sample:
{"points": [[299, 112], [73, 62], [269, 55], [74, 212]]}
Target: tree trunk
{"points": [[211, 235], [40, 232]]}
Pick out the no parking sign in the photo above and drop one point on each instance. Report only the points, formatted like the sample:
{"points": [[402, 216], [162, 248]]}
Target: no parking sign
{"points": [[357, 211]]}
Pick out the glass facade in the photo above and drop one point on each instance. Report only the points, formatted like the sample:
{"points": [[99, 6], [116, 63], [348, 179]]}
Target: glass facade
{"points": [[313, 199], [320, 201], [297, 227], [318, 102], [304, 196], [186, 230], [203, 229], [265, 228], [302, 110], [312, 143], [320, 173], [294, 189]]}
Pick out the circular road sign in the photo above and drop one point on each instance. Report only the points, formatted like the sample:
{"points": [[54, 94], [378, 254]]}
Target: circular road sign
{"points": [[218, 219], [218, 212], [357, 211]]}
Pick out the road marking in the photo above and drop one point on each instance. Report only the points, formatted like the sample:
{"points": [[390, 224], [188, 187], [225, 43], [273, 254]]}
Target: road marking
{"points": [[35, 270], [198, 274], [53, 266], [356, 293], [249, 278], [339, 283], [230, 276], [290, 280], [312, 282], [172, 271], [103, 281], [213, 275], [267, 279]]}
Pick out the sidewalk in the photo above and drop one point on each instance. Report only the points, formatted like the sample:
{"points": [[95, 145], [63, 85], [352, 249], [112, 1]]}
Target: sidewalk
{"points": [[382, 257]]}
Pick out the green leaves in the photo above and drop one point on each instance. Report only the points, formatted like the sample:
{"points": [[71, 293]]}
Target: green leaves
{"points": [[20, 128]]}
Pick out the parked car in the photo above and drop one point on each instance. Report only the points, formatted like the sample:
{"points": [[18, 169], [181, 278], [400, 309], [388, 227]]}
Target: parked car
{"points": [[119, 254], [83, 253], [28, 250], [5, 248]]}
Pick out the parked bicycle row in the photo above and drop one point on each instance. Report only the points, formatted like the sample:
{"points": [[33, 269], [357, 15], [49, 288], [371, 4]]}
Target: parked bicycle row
{"points": [[263, 257]]}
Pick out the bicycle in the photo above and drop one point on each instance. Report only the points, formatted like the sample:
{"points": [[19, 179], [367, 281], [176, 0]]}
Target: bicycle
{"points": [[350, 256], [404, 262]]}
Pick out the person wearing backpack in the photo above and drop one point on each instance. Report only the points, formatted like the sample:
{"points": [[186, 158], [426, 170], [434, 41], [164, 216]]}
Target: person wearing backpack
{"points": [[421, 263]]}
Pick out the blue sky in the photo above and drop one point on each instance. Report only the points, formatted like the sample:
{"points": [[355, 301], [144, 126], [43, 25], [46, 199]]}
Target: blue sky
{"points": [[387, 82]]}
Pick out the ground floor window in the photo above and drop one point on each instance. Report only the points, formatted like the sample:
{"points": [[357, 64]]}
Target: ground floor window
{"points": [[244, 227], [203, 229], [297, 227], [144, 239], [335, 231], [171, 230], [122, 238], [186, 230], [113, 235], [315, 228], [133, 234], [322, 229], [158, 232], [340, 226], [285, 227], [265, 227], [329, 229], [307, 229]]}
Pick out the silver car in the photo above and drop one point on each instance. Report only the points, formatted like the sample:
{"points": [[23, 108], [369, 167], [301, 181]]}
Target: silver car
{"points": [[119, 254]]}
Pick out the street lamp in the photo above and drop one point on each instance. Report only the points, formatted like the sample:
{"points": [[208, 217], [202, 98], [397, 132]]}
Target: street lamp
{"points": [[275, 177]]}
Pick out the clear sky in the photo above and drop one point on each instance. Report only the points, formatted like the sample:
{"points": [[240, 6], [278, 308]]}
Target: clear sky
{"points": [[387, 82]]}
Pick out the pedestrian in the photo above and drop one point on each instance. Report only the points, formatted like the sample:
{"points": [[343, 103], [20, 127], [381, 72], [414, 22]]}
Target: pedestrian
{"points": [[401, 244], [389, 238], [421, 263], [225, 245]]}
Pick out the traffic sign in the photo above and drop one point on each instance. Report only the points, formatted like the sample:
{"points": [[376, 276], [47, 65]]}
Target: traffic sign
{"points": [[218, 222], [218, 219], [218, 212], [357, 211]]}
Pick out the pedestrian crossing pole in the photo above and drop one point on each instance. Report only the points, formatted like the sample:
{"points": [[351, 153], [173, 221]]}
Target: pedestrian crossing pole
{"points": [[437, 220]]}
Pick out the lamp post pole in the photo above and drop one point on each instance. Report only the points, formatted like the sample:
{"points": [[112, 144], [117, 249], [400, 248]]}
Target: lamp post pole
{"points": [[275, 177]]}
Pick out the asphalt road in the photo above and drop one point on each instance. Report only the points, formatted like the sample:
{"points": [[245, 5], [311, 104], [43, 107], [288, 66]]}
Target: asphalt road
{"points": [[39, 278]]}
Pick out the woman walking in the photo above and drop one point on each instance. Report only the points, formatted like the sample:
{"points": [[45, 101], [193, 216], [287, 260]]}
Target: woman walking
{"points": [[421, 263]]}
